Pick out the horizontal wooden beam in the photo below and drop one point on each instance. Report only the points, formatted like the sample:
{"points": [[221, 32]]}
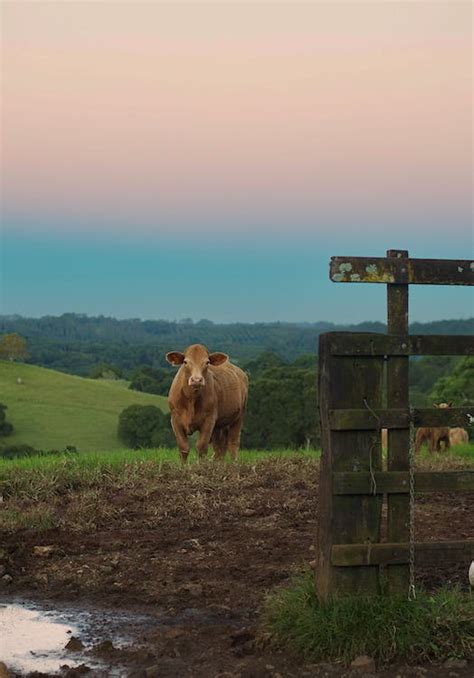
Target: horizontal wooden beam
{"points": [[364, 419], [373, 344], [350, 555], [402, 270], [397, 482]]}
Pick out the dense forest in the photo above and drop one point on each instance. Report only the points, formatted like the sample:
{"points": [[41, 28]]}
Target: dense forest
{"points": [[77, 343]]}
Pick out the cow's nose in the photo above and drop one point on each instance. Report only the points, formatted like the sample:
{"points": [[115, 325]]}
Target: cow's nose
{"points": [[196, 381]]}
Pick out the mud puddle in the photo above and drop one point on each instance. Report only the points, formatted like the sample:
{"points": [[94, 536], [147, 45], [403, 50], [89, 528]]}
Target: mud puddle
{"points": [[40, 638]]}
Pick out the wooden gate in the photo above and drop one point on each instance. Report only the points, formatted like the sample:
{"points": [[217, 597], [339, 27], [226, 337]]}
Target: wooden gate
{"points": [[363, 386]]}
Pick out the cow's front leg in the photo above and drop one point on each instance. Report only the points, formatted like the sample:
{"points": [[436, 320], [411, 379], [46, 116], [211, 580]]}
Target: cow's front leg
{"points": [[181, 439], [204, 438]]}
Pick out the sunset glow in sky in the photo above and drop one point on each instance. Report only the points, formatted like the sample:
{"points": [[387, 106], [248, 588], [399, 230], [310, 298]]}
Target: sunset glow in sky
{"points": [[171, 159]]}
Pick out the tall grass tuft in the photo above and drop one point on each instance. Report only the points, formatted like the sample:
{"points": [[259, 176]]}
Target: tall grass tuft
{"points": [[433, 627]]}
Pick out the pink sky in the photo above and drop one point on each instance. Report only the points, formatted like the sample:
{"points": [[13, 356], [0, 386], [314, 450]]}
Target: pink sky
{"points": [[173, 115]]}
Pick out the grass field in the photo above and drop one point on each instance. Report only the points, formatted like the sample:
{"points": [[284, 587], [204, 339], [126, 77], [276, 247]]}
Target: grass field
{"points": [[50, 410], [388, 628]]}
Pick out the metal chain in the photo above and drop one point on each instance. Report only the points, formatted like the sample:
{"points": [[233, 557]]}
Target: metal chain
{"points": [[411, 475]]}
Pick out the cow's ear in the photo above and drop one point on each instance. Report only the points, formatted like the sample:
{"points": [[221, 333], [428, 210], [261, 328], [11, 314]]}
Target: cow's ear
{"points": [[217, 359], [435, 405], [175, 358], [450, 404]]}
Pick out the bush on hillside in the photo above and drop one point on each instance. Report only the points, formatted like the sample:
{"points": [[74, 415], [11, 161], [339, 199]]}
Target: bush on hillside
{"points": [[5, 427], [152, 380], [105, 371], [282, 410], [145, 426], [23, 450]]}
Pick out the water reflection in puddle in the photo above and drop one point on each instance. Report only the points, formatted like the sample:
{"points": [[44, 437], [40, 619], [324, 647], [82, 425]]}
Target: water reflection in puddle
{"points": [[33, 640]]}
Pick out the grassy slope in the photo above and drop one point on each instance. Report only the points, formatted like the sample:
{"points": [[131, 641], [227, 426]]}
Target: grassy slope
{"points": [[50, 409]]}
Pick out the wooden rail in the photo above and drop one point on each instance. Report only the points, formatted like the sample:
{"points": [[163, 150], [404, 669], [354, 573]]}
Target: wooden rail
{"points": [[370, 343], [401, 270], [363, 555], [361, 419], [397, 482]]}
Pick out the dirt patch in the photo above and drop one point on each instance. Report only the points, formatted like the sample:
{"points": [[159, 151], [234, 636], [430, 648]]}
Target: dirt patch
{"points": [[197, 551]]}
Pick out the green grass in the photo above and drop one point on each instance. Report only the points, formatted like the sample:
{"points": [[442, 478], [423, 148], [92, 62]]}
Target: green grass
{"points": [[43, 476], [458, 452], [50, 410], [433, 627]]}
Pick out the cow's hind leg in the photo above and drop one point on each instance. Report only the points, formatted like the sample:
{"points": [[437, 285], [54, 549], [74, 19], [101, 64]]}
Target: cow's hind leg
{"points": [[219, 443], [234, 439]]}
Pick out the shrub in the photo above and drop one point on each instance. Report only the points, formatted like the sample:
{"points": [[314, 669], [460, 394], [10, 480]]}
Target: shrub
{"points": [[145, 426], [5, 427]]}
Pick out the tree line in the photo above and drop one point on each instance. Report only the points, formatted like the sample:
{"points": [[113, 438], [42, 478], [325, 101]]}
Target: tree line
{"points": [[76, 343]]}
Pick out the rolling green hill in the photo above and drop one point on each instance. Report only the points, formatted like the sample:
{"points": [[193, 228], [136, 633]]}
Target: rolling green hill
{"points": [[50, 409]]}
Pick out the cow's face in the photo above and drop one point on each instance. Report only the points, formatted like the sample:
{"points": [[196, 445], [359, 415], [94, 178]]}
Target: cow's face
{"points": [[195, 362], [443, 406]]}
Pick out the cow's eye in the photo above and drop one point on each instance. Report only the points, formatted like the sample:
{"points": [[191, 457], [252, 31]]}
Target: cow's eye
{"points": [[185, 362]]}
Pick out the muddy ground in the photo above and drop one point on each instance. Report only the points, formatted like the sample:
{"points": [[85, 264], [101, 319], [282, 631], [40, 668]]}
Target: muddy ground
{"points": [[196, 552]]}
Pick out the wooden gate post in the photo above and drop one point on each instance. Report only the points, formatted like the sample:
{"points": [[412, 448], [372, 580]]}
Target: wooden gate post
{"points": [[344, 383], [398, 439]]}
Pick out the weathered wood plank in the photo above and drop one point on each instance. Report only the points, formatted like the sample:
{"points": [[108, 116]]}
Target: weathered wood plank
{"points": [[353, 420], [398, 439], [397, 482], [359, 555], [345, 382], [371, 343], [402, 270]]}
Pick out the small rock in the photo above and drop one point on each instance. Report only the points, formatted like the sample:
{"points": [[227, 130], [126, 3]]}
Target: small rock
{"points": [[42, 578], [4, 672], [191, 589], [167, 667], [363, 664], [105, 647], [174, 633], [455, 664], [43, 551], [74, 644], [3, 570], [6, 579], [325, 666], [77, 671], [3, 554], [192, 544]]}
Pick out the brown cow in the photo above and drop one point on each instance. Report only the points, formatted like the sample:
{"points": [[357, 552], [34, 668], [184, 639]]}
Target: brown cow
{"points": [[434, 436], [458, 436], [209, 395]]}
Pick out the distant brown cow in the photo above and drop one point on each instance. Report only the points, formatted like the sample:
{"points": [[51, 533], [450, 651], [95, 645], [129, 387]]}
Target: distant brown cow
{"points": [[434, 436], [209, 395], [458, 436]]}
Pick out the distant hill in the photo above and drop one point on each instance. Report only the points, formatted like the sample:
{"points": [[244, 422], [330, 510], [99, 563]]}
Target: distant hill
{"points": [[50, 410], [75, 343]]}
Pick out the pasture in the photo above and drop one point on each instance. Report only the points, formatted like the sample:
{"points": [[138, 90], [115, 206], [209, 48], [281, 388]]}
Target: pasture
{"points": [[51, 410], [198, 548]]}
